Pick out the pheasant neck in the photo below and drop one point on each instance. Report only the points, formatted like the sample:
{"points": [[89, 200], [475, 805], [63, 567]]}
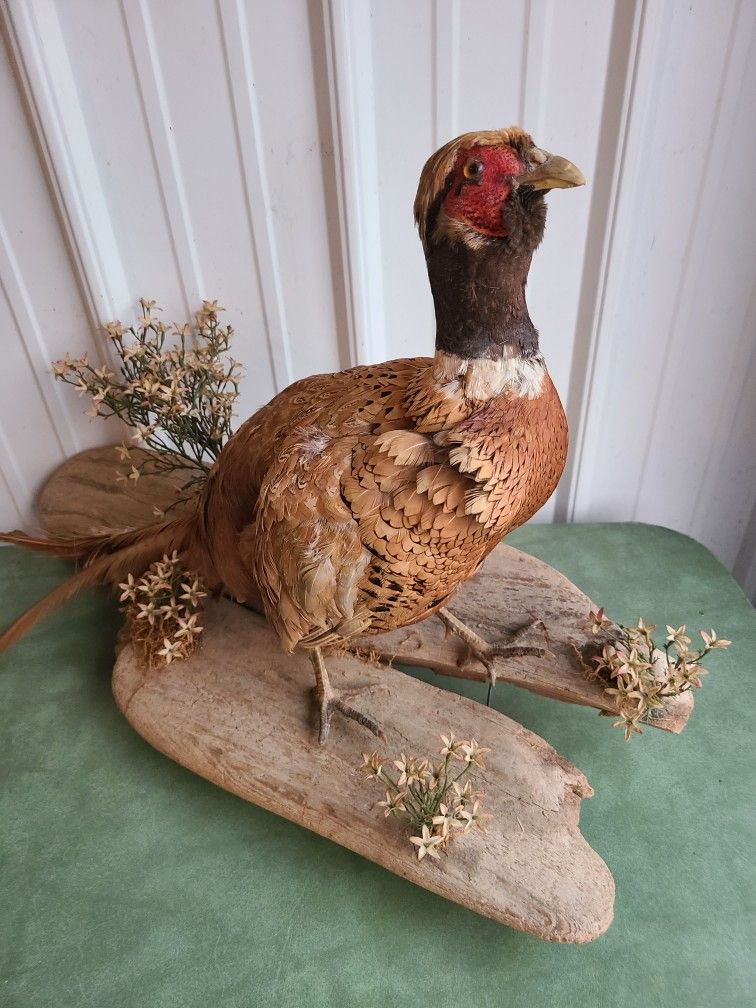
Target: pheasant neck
{"points": [[479, 297]]}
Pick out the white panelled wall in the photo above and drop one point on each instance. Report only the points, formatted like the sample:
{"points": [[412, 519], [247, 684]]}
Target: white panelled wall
{"points": [[267, 155]]}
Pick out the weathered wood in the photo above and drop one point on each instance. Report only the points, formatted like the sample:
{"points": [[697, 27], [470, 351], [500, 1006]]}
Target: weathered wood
{"points": [[83, 495], [240, 713], [511, 589]]}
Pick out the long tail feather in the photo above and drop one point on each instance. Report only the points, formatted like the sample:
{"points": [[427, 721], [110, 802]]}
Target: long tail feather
{"points": [[73, 548], [109, 559]]}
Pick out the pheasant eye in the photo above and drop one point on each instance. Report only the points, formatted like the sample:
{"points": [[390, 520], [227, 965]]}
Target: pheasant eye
{"points": [[473, 169]]}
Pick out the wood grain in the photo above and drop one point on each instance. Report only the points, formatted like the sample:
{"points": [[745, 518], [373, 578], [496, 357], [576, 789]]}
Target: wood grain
{"points": [[510, 590], [83, 495], [240, 713]]}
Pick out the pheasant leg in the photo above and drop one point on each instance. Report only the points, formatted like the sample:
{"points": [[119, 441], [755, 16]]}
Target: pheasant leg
{"points": [[488, 653], [331, 699]]}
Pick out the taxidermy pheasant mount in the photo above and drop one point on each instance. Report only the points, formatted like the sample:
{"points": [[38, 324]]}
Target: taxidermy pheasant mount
{"points": [[355, 505], [358, 502]]}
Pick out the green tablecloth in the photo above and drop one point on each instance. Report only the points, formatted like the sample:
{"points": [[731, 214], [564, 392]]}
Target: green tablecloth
{"points": [[126, 881]]}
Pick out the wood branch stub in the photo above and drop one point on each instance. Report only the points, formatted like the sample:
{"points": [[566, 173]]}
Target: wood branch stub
{"points": [[240, 713]]}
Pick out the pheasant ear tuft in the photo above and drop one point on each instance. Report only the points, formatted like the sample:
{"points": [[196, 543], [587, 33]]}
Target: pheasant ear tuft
{"points": [[439, 166]]}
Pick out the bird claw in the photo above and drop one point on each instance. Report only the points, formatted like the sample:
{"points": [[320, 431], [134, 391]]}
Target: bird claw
{"points": [[487, 657], [331, 699], [487, 653]]}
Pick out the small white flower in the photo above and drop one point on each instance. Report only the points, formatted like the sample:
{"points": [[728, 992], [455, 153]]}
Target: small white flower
{"points": [[188, 626], [372, 764], [677, 637], [473, 753], [209, 310], [130, 350], [446, 819], [128, 589], [597, 621], [114, 330], [402, 765], [453, 746], [146, 611], [411, 770], [712, 641], [465, 794], [426, 844], [474, 817], [393, 803], [170, 650]]}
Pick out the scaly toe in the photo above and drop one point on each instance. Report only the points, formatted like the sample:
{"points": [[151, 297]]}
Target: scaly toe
{"points": [[336, 700], [516, 651], [487, 656], [359, 717]]}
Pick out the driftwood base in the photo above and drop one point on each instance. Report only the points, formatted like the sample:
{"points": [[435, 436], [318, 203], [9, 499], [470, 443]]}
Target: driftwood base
{"points": [[240, 713]]}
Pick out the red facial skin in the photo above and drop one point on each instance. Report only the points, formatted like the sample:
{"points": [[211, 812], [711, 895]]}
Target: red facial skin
{"points": [[479, 201]]}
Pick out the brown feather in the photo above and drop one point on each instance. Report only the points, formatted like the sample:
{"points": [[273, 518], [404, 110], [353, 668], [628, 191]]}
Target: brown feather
{"points": [[110, 564]]}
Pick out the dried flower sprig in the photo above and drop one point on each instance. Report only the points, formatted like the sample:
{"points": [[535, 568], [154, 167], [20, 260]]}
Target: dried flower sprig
{"points": [[162, 608], [179, 398], [438, 805], [639, 675]]}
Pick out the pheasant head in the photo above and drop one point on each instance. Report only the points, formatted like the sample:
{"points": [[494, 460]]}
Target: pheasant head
{"points": [[481, 212]]}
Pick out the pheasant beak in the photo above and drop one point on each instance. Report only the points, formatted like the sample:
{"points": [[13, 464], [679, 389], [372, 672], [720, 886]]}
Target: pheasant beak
{"points": [[551, 172]]}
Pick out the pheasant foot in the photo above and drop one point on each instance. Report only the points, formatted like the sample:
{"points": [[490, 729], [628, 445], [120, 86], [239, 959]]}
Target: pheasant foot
{"points": [[488, 653], [331, 699]]}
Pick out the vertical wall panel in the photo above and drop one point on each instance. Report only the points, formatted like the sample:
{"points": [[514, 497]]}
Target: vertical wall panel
{"points": [[562, 96], [404, 67], [47, 81], [283, 100], [669, 432], [489, 56], [347, 34], [699, 442], [42, 316], [110, 102]]}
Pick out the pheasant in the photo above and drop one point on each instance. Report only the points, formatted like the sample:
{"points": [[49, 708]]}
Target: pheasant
{"points": [[356, 503]]}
